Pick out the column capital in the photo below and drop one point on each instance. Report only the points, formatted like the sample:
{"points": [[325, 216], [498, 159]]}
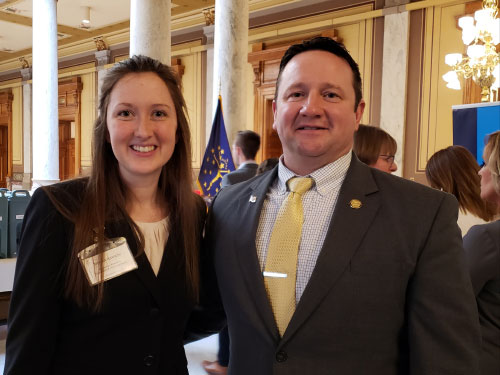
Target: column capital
{"points": [[26, 73], [103, 57], [208, 31]]}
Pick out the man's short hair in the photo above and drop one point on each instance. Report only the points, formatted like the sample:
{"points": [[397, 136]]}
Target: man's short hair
{"points": [[329, 45], [249, 142]]}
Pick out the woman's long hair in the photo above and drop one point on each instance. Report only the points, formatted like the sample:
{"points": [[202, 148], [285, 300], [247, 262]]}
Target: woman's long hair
{"points": [[105, 195], [454, 170]]}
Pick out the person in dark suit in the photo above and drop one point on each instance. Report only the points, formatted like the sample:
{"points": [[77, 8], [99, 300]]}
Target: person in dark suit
{"points": [[109, 266], [244, 149], [371, 278], [482, 248]]}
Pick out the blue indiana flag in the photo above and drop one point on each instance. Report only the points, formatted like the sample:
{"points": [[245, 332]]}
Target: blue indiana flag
{"points": [[218, 160]]}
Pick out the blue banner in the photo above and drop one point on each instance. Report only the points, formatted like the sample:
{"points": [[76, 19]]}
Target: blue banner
{"points": [[472, 123], [218, 160]]}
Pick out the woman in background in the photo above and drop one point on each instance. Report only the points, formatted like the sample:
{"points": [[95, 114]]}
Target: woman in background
{"points": [[109, 268], [455, 171], [482, 248], [376, 148]]}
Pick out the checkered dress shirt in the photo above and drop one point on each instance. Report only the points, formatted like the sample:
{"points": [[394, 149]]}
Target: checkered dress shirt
{"points": [[318, 203]]}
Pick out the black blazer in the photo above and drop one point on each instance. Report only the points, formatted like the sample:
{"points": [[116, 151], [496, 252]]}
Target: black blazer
{"points": [[245, 172], [140, 329], [482, 248], [390, 293]]}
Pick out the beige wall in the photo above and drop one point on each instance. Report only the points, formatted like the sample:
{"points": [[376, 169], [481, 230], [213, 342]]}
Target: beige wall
{"points": [[88, 115], [17, 125], [193, 95], [441, 37]]}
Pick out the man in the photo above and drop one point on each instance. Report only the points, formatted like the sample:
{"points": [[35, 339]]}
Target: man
{"points": [[244, 148], [379, 283]]}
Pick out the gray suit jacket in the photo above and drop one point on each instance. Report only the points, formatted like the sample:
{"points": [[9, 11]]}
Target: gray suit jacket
{"points": [[245, 172], [482, 248], [390, 293]]}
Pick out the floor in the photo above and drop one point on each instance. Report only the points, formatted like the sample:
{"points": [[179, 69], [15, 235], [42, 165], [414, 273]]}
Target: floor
{"points": [[196, 352]]}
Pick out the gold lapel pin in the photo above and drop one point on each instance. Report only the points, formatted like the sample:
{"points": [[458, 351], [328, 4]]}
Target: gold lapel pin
{"points": [[355, 203], [252, 199]]}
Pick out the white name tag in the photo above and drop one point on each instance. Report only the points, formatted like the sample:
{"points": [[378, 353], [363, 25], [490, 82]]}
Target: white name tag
{"points": [[117, 259]]}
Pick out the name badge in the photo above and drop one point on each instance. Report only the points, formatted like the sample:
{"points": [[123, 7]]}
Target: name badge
{"points": [[116, 259]]}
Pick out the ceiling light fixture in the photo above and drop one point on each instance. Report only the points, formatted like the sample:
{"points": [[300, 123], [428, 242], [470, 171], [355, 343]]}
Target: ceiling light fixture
{"points": [[85, 18], [482, 60]]}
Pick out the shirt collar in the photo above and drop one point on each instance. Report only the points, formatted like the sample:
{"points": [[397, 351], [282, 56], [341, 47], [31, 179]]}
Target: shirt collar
{"points": [[325, 178]]}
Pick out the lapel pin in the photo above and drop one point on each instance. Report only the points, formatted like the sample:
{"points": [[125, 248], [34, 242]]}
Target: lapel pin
{"points": [[355, 203], [252, 199]]}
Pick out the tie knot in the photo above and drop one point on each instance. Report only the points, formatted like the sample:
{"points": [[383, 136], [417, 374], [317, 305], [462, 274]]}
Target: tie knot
{"points": [[300, 185]]}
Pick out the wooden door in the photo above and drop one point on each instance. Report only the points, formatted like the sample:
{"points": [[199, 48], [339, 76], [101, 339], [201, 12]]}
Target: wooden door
{"points": [[66, 151], [4, 154]]}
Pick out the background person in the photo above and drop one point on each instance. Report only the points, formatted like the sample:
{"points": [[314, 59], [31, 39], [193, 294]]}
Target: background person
{"points": [[139, 189], [328, 266], [482, 247], [376, 148], [454, 170], [245, 147]]}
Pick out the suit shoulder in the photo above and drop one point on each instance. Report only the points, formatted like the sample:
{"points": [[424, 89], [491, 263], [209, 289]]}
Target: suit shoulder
{"points": [[412, 189], [491, 229], [241, 188]]}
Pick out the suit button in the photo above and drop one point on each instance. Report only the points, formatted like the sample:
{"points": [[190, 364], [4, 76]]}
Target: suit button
{"points": [[281, 356], [149, 360]]}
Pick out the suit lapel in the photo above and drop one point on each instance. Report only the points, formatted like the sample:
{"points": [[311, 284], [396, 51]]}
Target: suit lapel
{"points": [[144, 271], [249, 208], [347, 228]]}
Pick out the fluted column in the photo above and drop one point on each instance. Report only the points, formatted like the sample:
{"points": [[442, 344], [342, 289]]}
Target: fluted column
{"points": [[45, 111], [394, 76], [150, 29], [230, 61]]}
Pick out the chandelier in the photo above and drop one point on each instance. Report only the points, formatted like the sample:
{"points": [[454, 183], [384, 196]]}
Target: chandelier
{"points": [[482, 62]]}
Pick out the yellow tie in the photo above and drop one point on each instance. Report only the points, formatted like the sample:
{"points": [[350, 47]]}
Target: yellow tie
{"points": [[281, 263]]}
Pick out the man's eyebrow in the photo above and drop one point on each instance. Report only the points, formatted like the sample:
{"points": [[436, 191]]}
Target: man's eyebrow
{"points": [[301, 85]]}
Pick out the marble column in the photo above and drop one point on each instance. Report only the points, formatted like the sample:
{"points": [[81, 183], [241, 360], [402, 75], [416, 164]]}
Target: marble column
{"points": [[45, 110], [150, 29], [230, 61], [394, 77], [27, 136], [209, 70]]}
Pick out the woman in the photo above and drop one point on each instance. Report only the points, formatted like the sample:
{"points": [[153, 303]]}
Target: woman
{"points": [[454, 170], [482, 248], [102, 310], [376, 148]]}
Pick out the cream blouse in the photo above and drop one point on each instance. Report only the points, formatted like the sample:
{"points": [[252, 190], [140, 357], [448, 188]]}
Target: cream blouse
{"points": [[155, 239]]}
